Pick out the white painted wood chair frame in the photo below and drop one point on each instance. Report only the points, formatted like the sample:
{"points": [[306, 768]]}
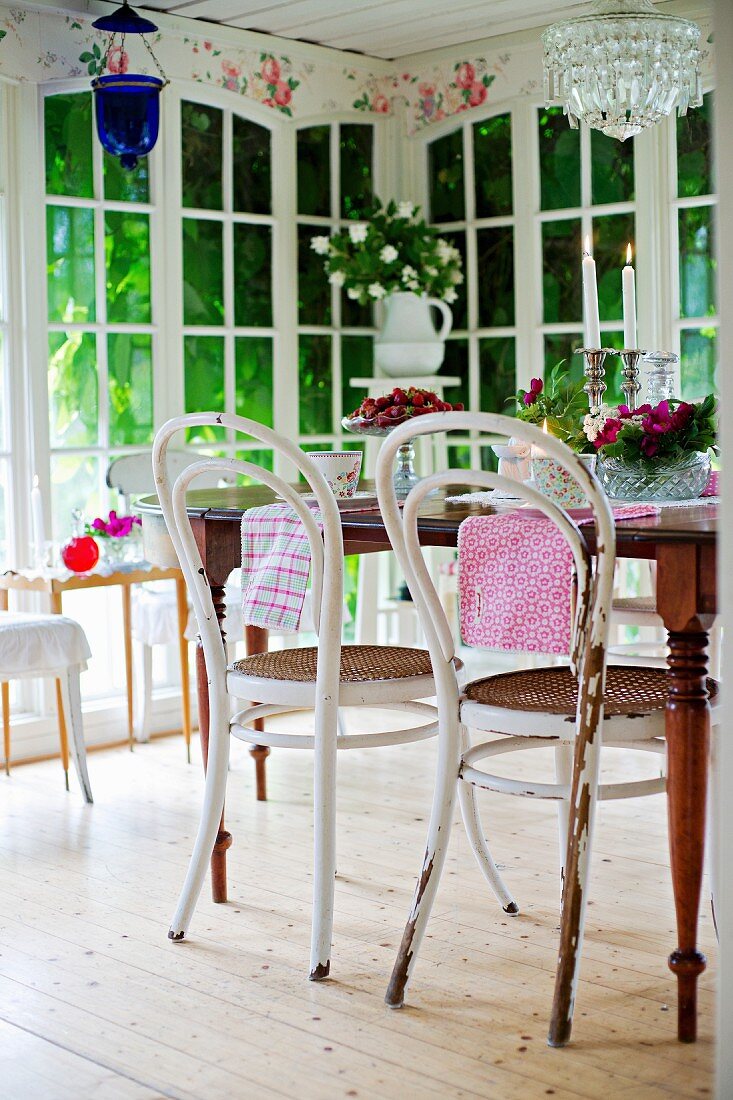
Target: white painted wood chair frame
{"points": [[70, 700], [577, 756], [324, 696]]}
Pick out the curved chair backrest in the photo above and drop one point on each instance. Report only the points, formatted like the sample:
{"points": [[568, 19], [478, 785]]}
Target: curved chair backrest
{"points": [[590, 629], [327, 559], [132, 475]]}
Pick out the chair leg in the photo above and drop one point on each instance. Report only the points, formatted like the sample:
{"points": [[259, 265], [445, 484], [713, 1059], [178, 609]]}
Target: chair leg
{"points": [[324, 830], [467, 798], [144, 694], [5, 692], [127, 639], [575, 888], [563, 775], [449, 752], [63, 729], [70, 691], [182, 607], [217, 765]]}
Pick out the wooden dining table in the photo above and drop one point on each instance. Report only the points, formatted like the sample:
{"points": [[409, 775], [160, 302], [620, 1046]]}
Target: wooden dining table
{"points": [[682, 542]]}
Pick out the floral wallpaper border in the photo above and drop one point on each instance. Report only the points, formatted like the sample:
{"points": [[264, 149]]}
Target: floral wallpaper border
{"points": [[44, 46]]}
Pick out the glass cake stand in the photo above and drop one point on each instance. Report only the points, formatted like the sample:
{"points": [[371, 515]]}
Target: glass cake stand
{"points": [[404, 476]]}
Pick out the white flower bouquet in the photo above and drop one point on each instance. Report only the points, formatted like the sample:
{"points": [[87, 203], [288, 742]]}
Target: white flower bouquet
{"points": [[393, 250]]}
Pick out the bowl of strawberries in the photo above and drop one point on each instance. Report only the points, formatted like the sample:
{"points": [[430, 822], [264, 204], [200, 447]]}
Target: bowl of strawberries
{"points": [[380, 415]]}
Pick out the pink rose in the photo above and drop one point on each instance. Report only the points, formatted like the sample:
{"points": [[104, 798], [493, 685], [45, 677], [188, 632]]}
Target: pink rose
{"points": [[271, 71], [535, 389], [283, 94], [231, 70], [426, 89], [649, 446], [478, 94], [381, 105], [117, 60], [609, 432], [465, 75]]}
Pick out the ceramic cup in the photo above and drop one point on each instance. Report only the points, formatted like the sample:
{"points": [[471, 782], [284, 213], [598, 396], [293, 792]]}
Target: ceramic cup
{"points": [[340, 469], [555, 482]]}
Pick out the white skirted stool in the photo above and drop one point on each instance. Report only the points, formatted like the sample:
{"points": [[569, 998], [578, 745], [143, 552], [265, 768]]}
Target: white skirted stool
{"points": [[36, 645]]}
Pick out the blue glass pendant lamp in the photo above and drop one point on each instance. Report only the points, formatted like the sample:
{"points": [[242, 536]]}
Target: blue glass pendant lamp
{"points": [[127, 105]]}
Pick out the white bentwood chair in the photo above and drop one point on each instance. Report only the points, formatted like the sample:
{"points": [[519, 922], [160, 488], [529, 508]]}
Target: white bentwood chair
{"points": [[573, 709], [54, 646], [321, 678]]}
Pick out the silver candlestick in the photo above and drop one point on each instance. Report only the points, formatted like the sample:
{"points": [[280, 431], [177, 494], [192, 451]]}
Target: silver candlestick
{"points": [[595, 372], [631, 385]]}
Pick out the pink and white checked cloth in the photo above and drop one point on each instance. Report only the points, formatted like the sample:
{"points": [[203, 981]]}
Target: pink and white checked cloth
{"points": [[276, 562], [514, 580]]}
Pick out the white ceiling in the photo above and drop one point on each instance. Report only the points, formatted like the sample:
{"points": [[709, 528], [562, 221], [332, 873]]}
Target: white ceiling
{"points": [[379, 28]]}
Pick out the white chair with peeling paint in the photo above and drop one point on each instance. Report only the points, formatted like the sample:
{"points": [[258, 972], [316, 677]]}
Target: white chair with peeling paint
{"points": [[320, 678], [572, 709]]}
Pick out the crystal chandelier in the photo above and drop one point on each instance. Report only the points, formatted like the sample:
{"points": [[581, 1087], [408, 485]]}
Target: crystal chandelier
{"points": [[622, 67]]}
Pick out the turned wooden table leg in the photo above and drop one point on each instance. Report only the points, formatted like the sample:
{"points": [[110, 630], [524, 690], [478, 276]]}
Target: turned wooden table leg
{"points": [[223, 839], [256, 641], [688, 745]]}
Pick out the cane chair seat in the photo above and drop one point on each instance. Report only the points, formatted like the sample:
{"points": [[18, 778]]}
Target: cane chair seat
{"points": [[532, 702], [555, 690], [645, 604], [358, 663], [368, 673]]}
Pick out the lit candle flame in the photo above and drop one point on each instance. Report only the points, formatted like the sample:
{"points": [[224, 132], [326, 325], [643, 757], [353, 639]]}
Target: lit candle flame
{"points": [[36, 481], [628, 253], [586, 246]]}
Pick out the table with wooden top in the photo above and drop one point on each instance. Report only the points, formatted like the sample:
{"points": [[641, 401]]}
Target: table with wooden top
{"points": [[54, 587], [682, 542]]}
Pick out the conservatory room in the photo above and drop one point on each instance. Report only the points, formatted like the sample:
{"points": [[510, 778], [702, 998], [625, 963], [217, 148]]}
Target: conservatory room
{"points": [[361, 392]]}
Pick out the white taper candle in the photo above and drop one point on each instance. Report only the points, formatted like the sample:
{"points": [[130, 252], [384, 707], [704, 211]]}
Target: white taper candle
{"points": [[592, 324], [628, 285], [39, 532]]}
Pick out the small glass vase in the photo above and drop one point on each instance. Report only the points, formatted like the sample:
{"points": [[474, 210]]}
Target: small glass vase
{"points": [[663, 479], [115, 551]]}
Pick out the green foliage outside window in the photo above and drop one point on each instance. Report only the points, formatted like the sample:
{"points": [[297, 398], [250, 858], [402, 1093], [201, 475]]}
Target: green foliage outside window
{"points": [[73, 389], [559, 161], [445, 174], [202, 137], [68, 140]]}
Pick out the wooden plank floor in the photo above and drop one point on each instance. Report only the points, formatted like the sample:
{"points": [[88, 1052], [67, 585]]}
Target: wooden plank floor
{"points": [[96, 1002]]}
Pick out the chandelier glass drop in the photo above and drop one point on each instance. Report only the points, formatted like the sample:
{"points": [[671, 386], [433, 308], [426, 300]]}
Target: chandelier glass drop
{"points": [[622, 67]]}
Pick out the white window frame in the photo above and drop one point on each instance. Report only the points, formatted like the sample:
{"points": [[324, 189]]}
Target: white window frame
{"points": [[101, 328], [676, 204], [384, 181]]}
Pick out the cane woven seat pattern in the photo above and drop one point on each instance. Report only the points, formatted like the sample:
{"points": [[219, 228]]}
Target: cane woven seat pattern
{"points": [[359, 663], [629, 690], [635, 603]]}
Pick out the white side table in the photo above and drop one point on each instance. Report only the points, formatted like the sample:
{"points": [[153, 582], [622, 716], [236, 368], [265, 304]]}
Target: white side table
{"points": [[432, 455]]}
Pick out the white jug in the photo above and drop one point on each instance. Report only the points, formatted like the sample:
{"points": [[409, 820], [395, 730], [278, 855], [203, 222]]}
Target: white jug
{"points": [[408, 342]]}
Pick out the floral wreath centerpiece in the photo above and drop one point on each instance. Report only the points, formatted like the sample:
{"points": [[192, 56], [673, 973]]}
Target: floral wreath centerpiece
{"points": [[396, 257]]}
